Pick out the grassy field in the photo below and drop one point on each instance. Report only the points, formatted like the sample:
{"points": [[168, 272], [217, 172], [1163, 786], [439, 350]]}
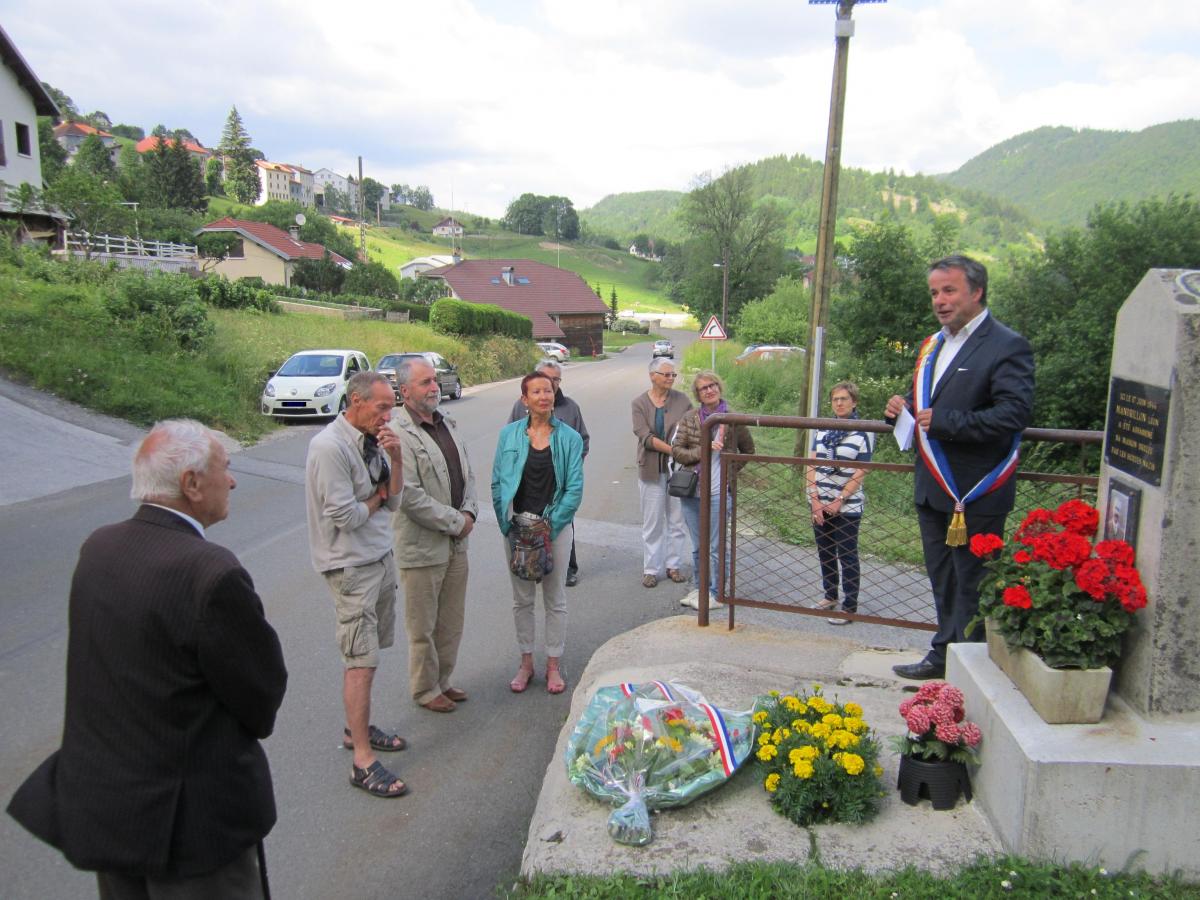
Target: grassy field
{"points": [[1003, 877]]}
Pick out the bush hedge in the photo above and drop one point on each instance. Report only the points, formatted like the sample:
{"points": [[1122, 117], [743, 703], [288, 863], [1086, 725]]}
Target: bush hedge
{"points": [[459, 317]]}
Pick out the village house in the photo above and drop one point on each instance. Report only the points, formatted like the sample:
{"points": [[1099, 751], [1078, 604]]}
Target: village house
{"points": [[559, 303], [71, 134], [264, 251], [448, 227], [327, 178], [22, 100], [198, 152], [422, 264]]}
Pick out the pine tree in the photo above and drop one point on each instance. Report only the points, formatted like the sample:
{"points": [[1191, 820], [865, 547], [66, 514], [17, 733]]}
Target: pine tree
{"points": [[241, 175]]}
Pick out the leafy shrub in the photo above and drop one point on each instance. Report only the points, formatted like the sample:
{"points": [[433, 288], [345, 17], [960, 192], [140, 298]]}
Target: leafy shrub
{"points": [[242, 294], [779, 318], [630, 326], [459, 317], [494, 357], [159, 307]]}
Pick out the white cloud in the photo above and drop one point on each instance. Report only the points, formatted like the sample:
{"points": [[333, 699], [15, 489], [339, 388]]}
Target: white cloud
{"points": [[492, 99]]}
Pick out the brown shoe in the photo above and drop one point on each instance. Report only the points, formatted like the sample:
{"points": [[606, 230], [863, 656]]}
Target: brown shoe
{"points": [[458, 695], [649, 581], [676, 576], [440, 703]]}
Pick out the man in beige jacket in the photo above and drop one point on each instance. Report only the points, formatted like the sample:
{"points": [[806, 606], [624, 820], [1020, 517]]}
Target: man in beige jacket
{"points": [[437, 511]]}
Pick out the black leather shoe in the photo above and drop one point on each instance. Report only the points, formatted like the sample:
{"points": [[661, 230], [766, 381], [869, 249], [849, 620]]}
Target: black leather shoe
{"points": [[572, 579], [920, 671]]}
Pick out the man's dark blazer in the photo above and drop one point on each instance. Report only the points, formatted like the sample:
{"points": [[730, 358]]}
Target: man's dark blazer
{"points": [[173, 677], [982, 400]]}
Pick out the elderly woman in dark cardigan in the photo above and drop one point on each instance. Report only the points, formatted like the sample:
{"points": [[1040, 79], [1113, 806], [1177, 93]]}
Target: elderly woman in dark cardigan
{"points": [[656, 414]]}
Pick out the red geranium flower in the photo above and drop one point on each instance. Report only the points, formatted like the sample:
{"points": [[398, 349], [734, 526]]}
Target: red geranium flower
{"points": [[1018, 596], [1061, 550], [1115, 552], [1022, 557], [1037, 522], [1092, 579], [1078, 517], [986, 544]]}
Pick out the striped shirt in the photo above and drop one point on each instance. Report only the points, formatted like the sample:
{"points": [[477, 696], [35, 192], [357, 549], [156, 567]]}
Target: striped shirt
{"points": [[832, 480]]}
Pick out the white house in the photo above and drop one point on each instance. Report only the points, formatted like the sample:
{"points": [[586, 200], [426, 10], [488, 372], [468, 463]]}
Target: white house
{"points": [[448, 227], [275, 179], [415, 267], [22, 100], [323, 178]]}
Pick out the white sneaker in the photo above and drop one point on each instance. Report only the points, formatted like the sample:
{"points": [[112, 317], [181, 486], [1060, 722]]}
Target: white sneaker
{"points": [[692, 600]]}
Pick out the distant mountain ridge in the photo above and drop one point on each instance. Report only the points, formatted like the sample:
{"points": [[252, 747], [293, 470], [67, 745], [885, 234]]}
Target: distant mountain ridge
{"points": [[1059, 174]]}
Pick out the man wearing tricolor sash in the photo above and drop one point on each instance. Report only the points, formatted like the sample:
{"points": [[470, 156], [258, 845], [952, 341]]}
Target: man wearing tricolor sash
{"points": [[971, 397]]}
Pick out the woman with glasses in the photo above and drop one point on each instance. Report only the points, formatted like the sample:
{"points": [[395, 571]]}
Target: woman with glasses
{"points": [[708, 389], [835, 499], [656, 414]]}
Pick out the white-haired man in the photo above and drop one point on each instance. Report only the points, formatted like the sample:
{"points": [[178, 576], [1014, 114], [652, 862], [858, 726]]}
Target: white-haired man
{"points": [[174, 675], [565, 410]]}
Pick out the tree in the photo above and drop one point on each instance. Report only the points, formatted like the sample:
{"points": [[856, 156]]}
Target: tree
{"points": [[172, 177], [99, 119], [744, 236], [559, 219], [130, 180], [371, 279], [612, 306], [241, 175], [779, 318], [212, 177], [322, 275], [66, 106], [92, 205], [95, 158], [525, 214], [421, 198], [53, 154], [133, 132], [372, 193], [335, 200], [400, 193]]}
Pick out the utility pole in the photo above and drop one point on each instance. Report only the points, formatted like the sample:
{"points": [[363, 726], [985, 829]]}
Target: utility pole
{"points": [[362, 214], [818, 318]]}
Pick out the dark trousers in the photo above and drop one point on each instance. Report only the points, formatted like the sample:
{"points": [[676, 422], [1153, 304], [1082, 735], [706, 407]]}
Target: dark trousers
{"points": [[242, 879], [837, 542], [954, 576]]}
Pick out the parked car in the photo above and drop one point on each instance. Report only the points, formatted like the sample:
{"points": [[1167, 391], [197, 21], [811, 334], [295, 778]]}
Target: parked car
{"points": [[765, 353], [447, 374], [664, 348], [554, 350], [312, 383]]}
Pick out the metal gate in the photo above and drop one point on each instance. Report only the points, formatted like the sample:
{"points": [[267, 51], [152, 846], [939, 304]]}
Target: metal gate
{"points": [[768, 548]]}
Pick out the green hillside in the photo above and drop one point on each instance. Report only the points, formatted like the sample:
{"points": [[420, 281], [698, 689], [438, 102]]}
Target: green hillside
{"points": [[794, 182], [1059, 174], [624, 215]]}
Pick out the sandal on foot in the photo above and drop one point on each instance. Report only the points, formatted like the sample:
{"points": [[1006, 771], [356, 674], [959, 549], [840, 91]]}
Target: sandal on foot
{"points": [[521, 681], [552, 686], [825, 604], [377, 781], [458, 695], [379, 739], [649, 581], [676, 576]]}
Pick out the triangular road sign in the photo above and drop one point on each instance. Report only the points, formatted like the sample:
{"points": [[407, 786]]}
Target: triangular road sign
{"points": [[713, 331]]}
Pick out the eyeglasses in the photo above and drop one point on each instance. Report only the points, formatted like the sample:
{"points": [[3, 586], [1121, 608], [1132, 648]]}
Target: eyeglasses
{"points": [[708, 387], [668, 374], [555, 380]]}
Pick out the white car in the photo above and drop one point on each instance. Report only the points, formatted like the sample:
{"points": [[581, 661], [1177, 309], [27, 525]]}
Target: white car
{"points": [[554, 350], [312, 383]]}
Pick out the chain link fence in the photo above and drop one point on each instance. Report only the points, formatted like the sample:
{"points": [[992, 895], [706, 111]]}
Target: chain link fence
{"points": [[769, 547]]}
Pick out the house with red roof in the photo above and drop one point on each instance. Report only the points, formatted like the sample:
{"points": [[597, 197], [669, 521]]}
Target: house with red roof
{"points": [[264, 251], [448, 227], [559, 303], [199, 152], [71, 134]]}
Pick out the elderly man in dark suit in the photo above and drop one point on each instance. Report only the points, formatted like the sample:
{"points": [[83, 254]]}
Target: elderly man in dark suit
{"points": [[173, 677], [972, 397]]}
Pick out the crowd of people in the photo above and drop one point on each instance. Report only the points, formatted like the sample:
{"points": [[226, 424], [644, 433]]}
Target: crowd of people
{"points": [[174, 674]]}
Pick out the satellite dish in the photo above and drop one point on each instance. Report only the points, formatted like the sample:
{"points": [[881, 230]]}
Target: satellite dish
{"points": [[300, 220]]}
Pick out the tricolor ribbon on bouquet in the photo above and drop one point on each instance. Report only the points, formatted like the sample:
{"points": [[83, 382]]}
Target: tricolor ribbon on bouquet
{"points": [[935, 458]]}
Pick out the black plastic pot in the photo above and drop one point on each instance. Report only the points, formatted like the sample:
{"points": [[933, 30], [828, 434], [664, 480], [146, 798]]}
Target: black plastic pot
{"points": [[941, 782]]}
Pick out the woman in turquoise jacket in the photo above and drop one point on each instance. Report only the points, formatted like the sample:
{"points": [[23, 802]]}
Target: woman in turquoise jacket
{"points": [[538, 472]]}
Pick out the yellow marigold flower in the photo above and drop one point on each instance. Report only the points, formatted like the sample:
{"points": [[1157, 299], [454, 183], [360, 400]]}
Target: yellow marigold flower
{"points": [[773, 693], [803, 769], [760, 717], [767, 752], [843, 739], [819, 705], [852, 763], [833, 720], [878, 771], [801, 726], [854, 725], [853, 709], [764, 739], [772, 782], [808, 751], [820, 730]]}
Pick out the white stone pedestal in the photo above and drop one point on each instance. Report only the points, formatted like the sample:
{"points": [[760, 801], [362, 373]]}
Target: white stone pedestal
{"points": [[1124, 792]]}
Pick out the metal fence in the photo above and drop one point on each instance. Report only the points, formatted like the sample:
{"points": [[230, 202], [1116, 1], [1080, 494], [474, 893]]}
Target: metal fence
{"points": [[768, 546]]}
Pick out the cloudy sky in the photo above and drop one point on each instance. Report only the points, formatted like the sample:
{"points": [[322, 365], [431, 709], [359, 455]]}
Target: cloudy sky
{"points": [[486, 99]]}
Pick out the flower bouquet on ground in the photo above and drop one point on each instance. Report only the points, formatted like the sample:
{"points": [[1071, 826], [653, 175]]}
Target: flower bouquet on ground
{"points": [[817, 759], [937, 726], [1055, 593], [653, 746]]}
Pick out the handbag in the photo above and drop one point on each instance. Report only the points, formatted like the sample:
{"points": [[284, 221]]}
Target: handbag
{"points": [[683, 483], [532, 551]]}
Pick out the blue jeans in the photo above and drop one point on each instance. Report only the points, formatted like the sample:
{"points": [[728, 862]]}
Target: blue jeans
{"points": [[837, 542], [691, 518]]}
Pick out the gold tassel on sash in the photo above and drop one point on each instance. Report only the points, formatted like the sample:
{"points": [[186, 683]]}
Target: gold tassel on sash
{"points": [[956, 534]]}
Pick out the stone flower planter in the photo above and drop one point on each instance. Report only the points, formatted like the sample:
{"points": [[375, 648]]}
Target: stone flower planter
{"points": [[1059, 696]]}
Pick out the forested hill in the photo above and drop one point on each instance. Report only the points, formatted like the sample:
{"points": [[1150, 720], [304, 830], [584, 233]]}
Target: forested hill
{"points": [[795, 183], [1059, 174]]}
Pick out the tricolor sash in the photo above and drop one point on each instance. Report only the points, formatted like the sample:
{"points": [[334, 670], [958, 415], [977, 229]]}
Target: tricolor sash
{"points": [[935, 458]]}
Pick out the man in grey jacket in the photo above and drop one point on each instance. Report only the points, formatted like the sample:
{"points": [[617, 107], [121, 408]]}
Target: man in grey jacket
{"points": [[566, 410], [437, 511]]}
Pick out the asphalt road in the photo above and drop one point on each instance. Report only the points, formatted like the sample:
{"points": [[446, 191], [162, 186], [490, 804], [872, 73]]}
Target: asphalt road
{"points": [[474, 775]]}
